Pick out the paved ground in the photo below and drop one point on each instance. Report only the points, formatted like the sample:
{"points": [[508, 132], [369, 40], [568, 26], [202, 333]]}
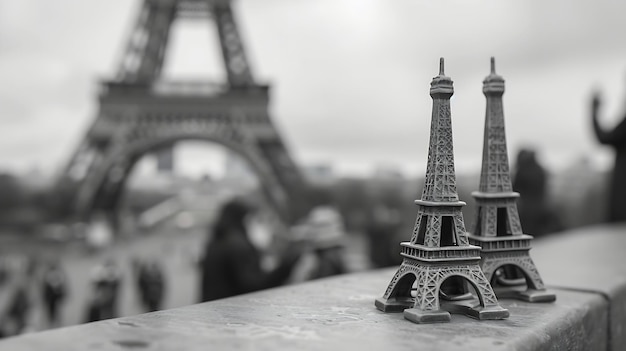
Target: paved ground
{"points": [[177, 250]]}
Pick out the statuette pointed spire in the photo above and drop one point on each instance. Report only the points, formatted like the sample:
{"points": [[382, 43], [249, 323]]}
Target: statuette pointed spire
{"points": [[441, 66]]}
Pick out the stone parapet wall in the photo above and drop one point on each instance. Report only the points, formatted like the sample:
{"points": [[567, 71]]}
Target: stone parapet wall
{"points": [[586, 268]]}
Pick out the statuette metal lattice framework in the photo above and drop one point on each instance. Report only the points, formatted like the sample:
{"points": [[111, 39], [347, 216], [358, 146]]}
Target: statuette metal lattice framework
{"points": [[497, 229], [439, 251]]}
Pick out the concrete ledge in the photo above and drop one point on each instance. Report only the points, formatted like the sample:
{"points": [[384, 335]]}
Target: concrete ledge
{"points": [[339, 313], [591, 259], [330, 314]]}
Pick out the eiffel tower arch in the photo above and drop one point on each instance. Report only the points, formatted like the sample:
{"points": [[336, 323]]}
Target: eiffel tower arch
{"points": [[139, 113]]}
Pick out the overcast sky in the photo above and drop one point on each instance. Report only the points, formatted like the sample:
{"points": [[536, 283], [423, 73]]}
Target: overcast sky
{"points": [[350, 78]]}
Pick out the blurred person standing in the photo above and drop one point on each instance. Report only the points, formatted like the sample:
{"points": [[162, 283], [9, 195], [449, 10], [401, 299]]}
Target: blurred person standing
{"points": [[54, 291], [530, 180], [384, 223], [325, 233], [329, 243], [18, 317], [151, 283], [615, 138], [232, 264], [105, 280]]}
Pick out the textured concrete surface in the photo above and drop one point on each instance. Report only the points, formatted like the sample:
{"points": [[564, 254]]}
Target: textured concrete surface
{"points": [[589, 259], [331, 314]]}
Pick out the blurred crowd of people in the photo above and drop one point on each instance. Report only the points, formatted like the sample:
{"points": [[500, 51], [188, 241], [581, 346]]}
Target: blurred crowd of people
{"points": [[31, 284], [243, 253], [37, 291]]}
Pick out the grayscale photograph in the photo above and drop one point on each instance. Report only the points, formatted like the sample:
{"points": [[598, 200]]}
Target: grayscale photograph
{"points": [[312, 175]]}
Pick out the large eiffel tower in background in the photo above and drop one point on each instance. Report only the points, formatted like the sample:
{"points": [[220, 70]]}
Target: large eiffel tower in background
{"points": [[141, 113]]}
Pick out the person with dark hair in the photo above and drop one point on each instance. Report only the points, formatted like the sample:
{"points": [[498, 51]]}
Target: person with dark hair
{"points": [[232, 264], [151, 283], [617, 139], [530, 180], [105, 281], [383, 225], [54, 290], [18, 318]]}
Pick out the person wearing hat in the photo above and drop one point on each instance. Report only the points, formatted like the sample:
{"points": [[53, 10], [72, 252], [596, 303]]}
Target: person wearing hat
{"points": [[327, 236]]}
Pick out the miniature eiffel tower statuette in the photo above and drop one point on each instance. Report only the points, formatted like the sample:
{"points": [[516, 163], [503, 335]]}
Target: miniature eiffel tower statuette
{"points": [[497, 228], [439, 251]]}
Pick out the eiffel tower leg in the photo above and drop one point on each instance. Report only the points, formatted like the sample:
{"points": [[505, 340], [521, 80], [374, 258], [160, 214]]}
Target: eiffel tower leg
{"points": [[531, 294], [488, 307], [419, 316], [427, 308], [535, 290], [528, 295], [398, 297], [476, 311]]}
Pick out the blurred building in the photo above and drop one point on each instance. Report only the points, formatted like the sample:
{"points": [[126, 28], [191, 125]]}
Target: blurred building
{"points": [[322, 174]]}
